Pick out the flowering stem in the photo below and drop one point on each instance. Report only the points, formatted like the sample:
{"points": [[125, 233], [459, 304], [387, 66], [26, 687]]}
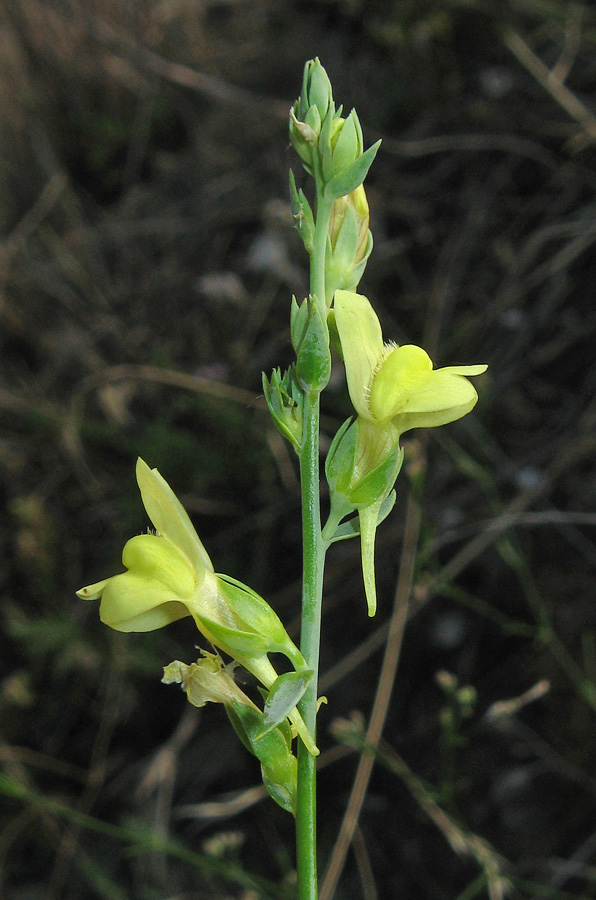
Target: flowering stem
{"points": [[314, 549]]}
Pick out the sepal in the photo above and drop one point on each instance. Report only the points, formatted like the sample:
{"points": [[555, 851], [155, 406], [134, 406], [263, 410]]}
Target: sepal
{"points": [[251, 612], [352, 175], [344, 146]]}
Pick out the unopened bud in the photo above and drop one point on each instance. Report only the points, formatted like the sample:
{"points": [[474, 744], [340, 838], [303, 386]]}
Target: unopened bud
{"points": [[357, 202], [350, 242]]}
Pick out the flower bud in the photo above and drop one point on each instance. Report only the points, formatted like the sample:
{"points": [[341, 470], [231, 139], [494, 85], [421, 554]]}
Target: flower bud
{"points": [[350, 243], [309, 111], [345, 145], [313, 357], [316, 87], [285, 401]]}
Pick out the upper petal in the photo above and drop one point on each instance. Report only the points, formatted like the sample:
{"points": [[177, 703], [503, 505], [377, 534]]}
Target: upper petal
{"points": [[169, 516], [361, 339]]}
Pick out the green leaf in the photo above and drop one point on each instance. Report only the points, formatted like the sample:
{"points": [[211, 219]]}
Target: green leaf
{"points": [[285, 693]]}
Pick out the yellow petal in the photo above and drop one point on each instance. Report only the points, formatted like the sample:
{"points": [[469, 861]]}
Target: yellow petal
{"points": [[169, 516], [93, 591], [361, 339], [404, 371], [131, 602], [443, 390], [447, 396], [157, 559]]}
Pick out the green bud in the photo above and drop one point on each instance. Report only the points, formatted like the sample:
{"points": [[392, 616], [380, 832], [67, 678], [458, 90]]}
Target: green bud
{"points": [[303, 216], [309, 111], [345, 146], [350, 243], [285, 400], [273, 750], [313, 363], [316, 87]]}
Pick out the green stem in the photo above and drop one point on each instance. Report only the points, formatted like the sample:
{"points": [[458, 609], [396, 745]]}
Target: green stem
{"points": [[317, 256], [314, 559], [314, 549]]}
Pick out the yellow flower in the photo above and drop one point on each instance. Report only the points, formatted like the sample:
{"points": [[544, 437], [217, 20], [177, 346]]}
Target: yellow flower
{"points": [[169, 575], [392, 385], [393, 389]]}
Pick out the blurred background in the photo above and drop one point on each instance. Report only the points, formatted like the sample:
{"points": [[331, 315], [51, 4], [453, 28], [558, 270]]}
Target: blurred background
{"points": [[147, 260]]}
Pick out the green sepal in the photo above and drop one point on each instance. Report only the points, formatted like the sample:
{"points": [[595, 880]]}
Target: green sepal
{"points": [[303, 216], [239, 725], [285, 693], [334, 338], [339, 463], [329, 126], [346, 245], [285, 399], [375, 486], [312, 118], [313, 363], [352, 176], [251, 609], [242, 645]]}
